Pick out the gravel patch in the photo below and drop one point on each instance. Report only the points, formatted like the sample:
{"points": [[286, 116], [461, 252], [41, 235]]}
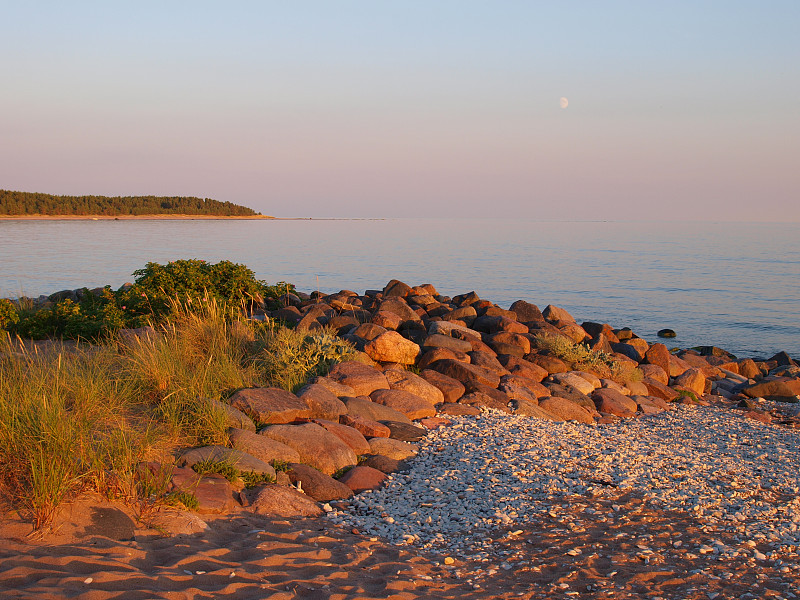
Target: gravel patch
{"points": [[499, 471]]}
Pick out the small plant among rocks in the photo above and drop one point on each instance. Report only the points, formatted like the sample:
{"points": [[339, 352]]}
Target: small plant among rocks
{"points": [[585, 359]]}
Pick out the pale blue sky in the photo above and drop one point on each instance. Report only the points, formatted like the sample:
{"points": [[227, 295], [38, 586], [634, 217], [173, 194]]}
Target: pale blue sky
{"points": [[677, 110]]}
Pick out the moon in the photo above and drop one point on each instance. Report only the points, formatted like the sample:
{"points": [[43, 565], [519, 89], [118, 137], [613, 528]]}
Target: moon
{"points": [[564, 102]]}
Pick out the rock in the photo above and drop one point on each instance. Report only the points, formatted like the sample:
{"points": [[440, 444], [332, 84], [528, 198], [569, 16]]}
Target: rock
{"points": [[758, 416], [392, 347], [282, 501], [523, 368], [411, 405], [466, 373], [459, 409], [399, 307], [505, 338], [349, 435], [384, 464], [270, 405], [362, 378], [484, 400], [386, 320], [368, 331], [464, 314], [451, 329], [649, 405], [628, 350], [393, 448], [316, 446], [692, 380], [666, 333], [214, 495], [367, 427], [451, 389], [654, 372], [405, 432], [774, 388], [782, 359], [528, 409], [337, 389], [362, 478], [534, 387], [611, 401], [496, 324], [658, 354], [526, 311], [565, 410], [178, 522], [317, 485], [554, 313], [241, 460], [700, 362], [233, 417], [549, 363], [396, 288], [414, 384], [659, 390], [608, 383], [518, 392], [573, 394], [677, 366], [575, 380], [436, 354], [262, 447], [323, 403], [363, 406], [749, 369], [438, 340], [431, 423], [487, 361], [636, 388]]}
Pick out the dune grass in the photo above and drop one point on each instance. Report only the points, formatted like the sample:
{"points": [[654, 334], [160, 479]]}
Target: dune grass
{"points": [[77, 417]]}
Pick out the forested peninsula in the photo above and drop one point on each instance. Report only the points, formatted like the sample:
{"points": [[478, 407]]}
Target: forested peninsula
{"points": [[30, 204]]}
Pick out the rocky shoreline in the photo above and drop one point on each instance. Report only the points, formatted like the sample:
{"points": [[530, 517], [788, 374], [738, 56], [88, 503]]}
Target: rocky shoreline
{"points": [[433, 366]]}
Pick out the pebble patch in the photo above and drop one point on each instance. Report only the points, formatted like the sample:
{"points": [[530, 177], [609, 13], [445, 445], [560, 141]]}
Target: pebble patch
{"points": [[498, 471]]}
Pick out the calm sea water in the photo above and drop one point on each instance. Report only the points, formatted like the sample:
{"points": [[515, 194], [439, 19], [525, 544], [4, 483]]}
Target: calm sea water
{"points": [[736, 286]]}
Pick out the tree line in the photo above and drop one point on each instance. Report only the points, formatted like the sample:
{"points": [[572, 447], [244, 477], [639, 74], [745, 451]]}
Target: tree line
{"points": [[30, 203]]}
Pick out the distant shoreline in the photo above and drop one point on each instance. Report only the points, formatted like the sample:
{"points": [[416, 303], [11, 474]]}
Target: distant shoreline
{"points": [[152, 217]]}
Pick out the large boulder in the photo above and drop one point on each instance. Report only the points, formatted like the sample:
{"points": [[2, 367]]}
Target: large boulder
{"points": [[362, 478], [451, 389], [349, 435], [572, 378], [608, 400], [282, 501], [659, 390], [533, 386], [693, 380], [467, 373], [323, 403], [483, 400], [565, 410], [316, 446], [366, 427], [439, 340], [339, 390], [411, 405], [362, 378], [526, 311], [487, 361], [774, 388], [318, 485], [270, 405], [527, 409], [393, 448], [654, 372], [262, 447], [554, 313], [551, 364], [523, 368], [658, 354], [392, 347], [397, 288], [409, 382], [363, 406]]}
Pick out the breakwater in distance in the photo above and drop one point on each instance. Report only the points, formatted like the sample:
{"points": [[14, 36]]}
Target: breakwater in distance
{"points": [[732, 285]]}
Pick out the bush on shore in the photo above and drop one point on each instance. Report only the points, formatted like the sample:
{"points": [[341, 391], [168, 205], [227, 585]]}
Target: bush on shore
{"points": [[151, 299]]}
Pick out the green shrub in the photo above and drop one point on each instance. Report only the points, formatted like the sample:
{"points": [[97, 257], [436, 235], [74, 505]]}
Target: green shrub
{"points": [[181, 498], [8, 313], [583, 358], [289, 358]]}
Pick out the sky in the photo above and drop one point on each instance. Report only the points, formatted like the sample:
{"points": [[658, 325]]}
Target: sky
{"points": [[680, 110]]}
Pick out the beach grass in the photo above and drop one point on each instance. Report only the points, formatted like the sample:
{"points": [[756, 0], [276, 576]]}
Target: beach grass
{"points": [[77, 416]]}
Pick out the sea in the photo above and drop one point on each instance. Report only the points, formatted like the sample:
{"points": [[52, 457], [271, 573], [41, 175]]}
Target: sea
{"points": [[732, 285]]}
